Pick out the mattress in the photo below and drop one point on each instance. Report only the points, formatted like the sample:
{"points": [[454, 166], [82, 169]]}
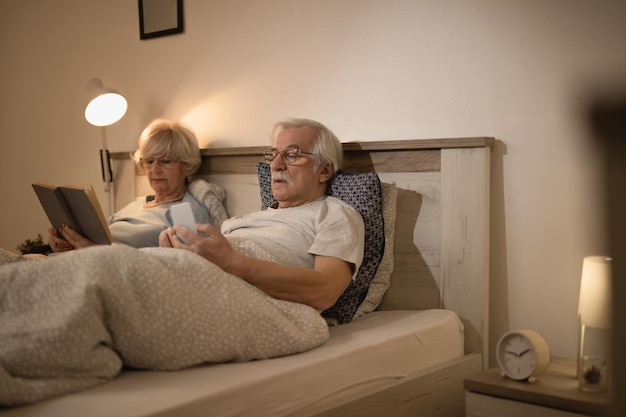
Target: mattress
{"points": [[377, 348]]}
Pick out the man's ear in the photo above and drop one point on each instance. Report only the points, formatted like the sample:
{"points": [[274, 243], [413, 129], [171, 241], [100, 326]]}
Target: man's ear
{"points": [[326, 172]]}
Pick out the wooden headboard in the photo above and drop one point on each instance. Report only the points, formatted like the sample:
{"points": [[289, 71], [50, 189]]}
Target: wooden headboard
{"points": [[441, 245]]}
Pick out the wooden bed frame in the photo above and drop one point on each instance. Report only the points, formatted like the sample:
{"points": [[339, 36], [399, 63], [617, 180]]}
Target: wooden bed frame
{"points": [[441, 250]]}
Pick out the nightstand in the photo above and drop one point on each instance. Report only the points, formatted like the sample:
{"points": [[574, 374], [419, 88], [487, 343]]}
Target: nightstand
{"points": [[555, 393]]}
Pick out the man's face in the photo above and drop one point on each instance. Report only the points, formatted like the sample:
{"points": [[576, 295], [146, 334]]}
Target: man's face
{"points": [[295, 183]]}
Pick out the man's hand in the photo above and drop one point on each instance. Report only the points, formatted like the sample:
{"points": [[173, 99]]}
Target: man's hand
{"points": [[168, 238], [214, 247]]}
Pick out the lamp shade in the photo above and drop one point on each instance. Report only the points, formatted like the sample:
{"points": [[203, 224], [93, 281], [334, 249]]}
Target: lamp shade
{"points": [[106, 107], [594, 303]]}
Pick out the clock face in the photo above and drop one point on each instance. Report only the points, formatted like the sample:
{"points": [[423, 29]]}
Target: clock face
{"points": [[516, 356]]}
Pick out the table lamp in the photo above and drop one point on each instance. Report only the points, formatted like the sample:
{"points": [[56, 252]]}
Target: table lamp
{"points": [[594, 303]]}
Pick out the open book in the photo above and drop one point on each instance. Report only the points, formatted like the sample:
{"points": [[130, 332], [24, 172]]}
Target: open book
{"points": [[78, 207]]}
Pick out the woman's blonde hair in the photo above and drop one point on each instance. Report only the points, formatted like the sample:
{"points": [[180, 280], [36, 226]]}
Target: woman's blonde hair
{"points": [[167, 139]]}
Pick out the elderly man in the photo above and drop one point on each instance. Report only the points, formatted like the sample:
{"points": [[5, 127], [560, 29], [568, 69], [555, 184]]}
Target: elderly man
{"points": [[319, 239]]}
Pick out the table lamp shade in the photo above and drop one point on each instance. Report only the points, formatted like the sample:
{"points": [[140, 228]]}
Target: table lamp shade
{"points": [[594, 303]]}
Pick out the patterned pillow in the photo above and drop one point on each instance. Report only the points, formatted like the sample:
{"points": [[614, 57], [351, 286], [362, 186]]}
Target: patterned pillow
{"points": [[382, 280], [363, 192]]}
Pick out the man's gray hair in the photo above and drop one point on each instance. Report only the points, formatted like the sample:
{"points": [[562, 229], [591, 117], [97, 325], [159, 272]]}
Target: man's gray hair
{"points": [[327, 148]]}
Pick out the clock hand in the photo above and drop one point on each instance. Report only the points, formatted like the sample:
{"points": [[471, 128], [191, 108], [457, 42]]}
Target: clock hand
{"points": [[524, 352]]}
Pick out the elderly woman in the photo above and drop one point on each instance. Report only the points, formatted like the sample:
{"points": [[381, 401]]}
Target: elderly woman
{"points": [[168, 154]]}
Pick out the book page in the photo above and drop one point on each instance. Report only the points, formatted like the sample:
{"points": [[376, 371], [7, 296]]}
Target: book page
{"points": [[54, 206], [88, 214]]}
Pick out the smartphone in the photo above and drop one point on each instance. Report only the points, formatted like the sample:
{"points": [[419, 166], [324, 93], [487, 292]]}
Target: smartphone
{"points": [[182, 214]]}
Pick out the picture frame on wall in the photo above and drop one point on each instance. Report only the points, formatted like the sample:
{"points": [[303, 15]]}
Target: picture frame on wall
{"points": [[160, 18]]}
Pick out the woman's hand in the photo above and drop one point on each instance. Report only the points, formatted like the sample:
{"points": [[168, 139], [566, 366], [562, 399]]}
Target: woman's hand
{"points": [[214, 247], [74, 239], [56, 241]]}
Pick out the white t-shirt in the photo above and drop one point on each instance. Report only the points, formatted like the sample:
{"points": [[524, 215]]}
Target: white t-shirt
{"points": [[295, 235]]}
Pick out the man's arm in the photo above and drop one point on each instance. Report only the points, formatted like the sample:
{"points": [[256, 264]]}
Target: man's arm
{"points": [[319, 287]]}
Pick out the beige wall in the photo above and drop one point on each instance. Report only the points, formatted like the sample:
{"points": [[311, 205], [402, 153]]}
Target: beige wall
{"points": [[520, 71]]}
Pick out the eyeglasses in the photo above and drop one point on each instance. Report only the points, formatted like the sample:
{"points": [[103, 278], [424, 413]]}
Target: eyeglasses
{"points": [[161, 163], [289, 156]]}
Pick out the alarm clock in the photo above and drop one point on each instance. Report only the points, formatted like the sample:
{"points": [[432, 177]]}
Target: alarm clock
{"points": [[523, 354]]}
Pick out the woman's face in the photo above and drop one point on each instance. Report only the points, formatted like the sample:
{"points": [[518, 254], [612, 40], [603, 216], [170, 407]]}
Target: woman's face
{"points": [[165, 175]]}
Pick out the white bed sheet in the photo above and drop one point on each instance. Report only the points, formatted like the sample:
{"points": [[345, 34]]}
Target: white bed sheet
{"points": [[373, 349]]}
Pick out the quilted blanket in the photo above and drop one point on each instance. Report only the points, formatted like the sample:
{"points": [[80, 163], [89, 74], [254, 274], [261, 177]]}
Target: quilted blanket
{"points": [[74, 320]]}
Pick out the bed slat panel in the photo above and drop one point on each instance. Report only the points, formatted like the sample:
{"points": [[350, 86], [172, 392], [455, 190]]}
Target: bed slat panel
{"points": [[465, 241], [415, 280], [426, 160]]}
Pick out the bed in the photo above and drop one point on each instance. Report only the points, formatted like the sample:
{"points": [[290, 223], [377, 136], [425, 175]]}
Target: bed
{"points": [[407, 357]]}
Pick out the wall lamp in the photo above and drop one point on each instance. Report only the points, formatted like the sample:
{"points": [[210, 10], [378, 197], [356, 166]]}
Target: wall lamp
{"points": [[106, 106]]}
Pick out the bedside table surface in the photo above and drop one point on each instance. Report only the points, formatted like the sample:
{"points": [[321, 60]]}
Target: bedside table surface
{"points": [[556, 388]]}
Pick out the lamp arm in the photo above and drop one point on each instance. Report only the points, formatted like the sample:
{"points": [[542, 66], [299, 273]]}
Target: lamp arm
{"points": [[105, 166], [107, 172]]}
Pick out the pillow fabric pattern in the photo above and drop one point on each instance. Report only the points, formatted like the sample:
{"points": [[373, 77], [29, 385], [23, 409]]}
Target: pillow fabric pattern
{"points": [[265, 185], [363, 192], [382, 280]]}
